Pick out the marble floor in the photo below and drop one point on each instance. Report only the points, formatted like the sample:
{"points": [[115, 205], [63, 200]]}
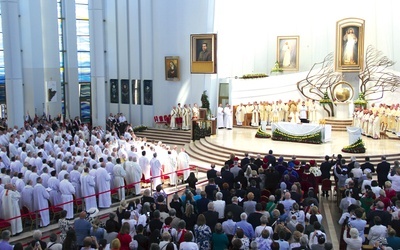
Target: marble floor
{"points": [[244, 139]]}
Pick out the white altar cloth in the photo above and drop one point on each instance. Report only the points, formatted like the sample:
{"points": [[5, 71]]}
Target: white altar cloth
{"points": [[304, 129]]}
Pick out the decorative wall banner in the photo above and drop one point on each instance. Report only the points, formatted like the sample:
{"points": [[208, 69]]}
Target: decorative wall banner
{"points": [[51, 95], [114, 97], [148, 92], [125, 91]]}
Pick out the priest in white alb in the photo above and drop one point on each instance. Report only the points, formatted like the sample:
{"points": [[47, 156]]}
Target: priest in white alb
{"points": [[183, 163], [103, 185], [67, 192], [170, 167], [88, 189], [119, 176], [156, 170], [144, 163], [41, 202], [10, 206]]}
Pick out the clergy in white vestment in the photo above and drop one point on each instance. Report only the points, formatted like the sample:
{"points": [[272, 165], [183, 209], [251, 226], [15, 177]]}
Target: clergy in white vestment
{"points": [[67, 190], [128, 169], [75, 179], [33, 176], [41, 202], [45, 177], [88, 189], [156, 170], [170, 168], [54, 184], [227, 117], [10, 206], [183, 163], [103, 186], [119, 176], [137, 176], [220, 116], [63, 172], [109, 168], [27, 196], [144, 163]]}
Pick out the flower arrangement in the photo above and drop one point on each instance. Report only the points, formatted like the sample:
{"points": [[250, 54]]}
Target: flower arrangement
{"points": [[139, 128], [325, 99], [276, 68], [200, 132], [262, 134], [361, 100], [251, 76], [357, 147], [315, 138]]}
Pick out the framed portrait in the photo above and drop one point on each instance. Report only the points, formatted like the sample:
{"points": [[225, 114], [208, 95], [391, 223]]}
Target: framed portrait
{"points": [[288, 52], [114, 97], [349, 56], [203, 53], [125, 91], [172, 68]]}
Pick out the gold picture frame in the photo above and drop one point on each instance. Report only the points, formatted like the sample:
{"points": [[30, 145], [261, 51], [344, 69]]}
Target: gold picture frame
{"points": [[287, 52], [349, 56], [172, 68], [203, 53]]}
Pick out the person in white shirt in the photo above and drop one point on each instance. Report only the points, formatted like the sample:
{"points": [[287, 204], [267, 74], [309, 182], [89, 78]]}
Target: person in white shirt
{"points": [[219, 205], [377, 231]]}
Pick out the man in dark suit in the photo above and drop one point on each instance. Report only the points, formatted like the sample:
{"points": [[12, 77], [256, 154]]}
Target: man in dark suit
{"points": [[211, 216], [254, 218], [245, 160], [383, 169], [380, 212], [255, 190], [212, 173], [271, 158], [259, 162], [235, 209], [202, 203], [368, 165], [210, 189], [228, 177]]}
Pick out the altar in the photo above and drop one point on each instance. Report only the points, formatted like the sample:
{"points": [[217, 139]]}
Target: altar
{"points": [[303, 129]]}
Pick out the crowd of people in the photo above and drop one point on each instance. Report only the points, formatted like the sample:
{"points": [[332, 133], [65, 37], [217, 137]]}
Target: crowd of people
{"points": [[374, 119], [252, 114], [370, 206], [181, 117], [54, 163]]}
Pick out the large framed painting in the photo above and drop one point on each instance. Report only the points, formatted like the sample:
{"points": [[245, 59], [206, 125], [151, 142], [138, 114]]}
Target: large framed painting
{"points": [[288, 52], [172, 68], [203, 53], [349, 56]]}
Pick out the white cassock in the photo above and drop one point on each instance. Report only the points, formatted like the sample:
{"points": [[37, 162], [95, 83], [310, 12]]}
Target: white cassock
{"points": [[155, 171], [103, 185], [75, 179], [227, 118], [10, 207], [55, 194], [119, 176], [45, 179], [183, 163], [144, 163], [67, 190], [41, 201], [170, 167], [27, 197], [137, 177], [109, 168], [220, 117], [88, 189]]}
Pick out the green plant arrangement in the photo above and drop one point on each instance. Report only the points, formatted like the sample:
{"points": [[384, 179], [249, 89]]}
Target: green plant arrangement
{"points": [[325, 99], [199, 132], [262, 134], [139, 128], [276, 68], [361, 100], [315, 138], [357, 147], [251, 76]]}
